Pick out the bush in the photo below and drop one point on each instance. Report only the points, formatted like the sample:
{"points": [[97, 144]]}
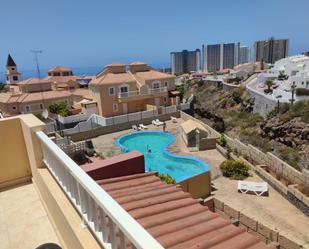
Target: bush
{"points": [[167, 179], [222, 140], [59, 108], [234, 169]]}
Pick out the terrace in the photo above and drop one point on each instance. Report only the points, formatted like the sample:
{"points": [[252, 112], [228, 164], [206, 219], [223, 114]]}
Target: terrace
{"points": [[59, 202]]}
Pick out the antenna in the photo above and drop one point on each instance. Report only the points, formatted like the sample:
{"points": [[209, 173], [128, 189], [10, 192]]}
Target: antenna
{"points": [[36, 58]]}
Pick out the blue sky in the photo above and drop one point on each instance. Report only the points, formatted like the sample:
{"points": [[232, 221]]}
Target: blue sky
{"points": [[79, 33]]}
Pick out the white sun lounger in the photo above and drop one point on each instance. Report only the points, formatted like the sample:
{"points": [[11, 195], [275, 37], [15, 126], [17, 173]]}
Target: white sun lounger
{"points": [[157, 122], [142, 126], [257, 188], [174, 120], [134, 127]]}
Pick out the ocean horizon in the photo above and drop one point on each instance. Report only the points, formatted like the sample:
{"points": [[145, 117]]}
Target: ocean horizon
{"points": [[89, 71]]}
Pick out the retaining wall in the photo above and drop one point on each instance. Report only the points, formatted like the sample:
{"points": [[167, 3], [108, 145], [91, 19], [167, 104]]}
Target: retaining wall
{"points": [[254, 227]]}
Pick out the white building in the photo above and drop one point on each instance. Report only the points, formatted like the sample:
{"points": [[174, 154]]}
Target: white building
{"points": [[296, 71]]}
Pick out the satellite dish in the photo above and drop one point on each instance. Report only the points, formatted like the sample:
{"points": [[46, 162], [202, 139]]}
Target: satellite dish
{"points": [[45, 113]]}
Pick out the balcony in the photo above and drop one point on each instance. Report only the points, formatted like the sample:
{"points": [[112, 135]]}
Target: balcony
{"points": [[151, 91], [128, 94], [155, 91], [83, 215]]}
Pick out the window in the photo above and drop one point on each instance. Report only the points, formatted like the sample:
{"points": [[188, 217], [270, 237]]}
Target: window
{"points": [[111, 91], [41, 106], [27, 108], [302, 83], [115, 107], [165, 83], [14, 107], [165, 100], [156, 85], [123, 89], [13, 68], [15, 78]]}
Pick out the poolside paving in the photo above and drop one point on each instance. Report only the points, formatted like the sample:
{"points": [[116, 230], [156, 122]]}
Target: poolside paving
{"points": [[105, 145]]}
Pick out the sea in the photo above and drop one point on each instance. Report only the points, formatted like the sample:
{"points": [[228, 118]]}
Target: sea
{"points": [[81, 71]]}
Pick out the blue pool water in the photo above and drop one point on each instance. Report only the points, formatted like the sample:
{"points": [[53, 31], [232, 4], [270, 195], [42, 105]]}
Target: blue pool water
{"points": [[179, 167]]}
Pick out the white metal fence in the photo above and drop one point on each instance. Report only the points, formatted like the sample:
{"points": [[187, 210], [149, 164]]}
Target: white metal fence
{"points": [[102, 214], [95, 120]]}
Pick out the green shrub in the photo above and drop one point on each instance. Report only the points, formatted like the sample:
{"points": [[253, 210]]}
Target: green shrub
{"points": [[222, 140], [59, 108], [167, 179], [234, 169]]}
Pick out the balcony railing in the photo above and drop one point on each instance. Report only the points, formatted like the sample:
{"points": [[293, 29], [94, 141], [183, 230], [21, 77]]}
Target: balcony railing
{"points": [[157, 90], [151, 91], [101, 213], [128, 94]]}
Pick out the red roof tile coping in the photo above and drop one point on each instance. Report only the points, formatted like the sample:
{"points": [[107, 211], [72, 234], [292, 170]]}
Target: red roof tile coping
{"points": [[173, 218]]}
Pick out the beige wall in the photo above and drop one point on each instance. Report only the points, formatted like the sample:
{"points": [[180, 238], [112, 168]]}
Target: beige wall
{"points": [[198, 186], [28, 88], [135, 104], [14, 161]]}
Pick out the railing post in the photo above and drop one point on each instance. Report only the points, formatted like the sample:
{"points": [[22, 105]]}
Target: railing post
{"points": [[112, 233]]}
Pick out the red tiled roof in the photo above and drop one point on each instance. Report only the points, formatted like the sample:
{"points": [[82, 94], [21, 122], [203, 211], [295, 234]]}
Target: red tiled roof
{"points": [[173, 218], [59, 69], [153, 75], [60, 79], [113, 78]]}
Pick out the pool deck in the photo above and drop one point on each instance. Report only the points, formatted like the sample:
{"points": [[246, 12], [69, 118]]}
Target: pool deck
{"points": [[105, 145]]}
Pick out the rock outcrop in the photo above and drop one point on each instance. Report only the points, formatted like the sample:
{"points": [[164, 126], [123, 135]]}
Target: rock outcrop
{"points": [[293, 133]]}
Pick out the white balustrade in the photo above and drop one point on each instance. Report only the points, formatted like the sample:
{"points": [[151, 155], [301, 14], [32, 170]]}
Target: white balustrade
{"points": [[157, 90], [100, 212], [128, 94]]}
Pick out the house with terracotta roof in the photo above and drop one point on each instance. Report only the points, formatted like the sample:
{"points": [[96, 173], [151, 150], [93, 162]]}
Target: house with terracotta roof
{"points": [[121, 89], [62, 78], [35, 95]]}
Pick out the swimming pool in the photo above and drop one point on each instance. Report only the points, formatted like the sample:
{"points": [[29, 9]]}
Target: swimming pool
{"points": [[159, 159]]}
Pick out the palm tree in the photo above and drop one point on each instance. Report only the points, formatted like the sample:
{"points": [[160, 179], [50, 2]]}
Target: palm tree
{"points": [[269, 84]]}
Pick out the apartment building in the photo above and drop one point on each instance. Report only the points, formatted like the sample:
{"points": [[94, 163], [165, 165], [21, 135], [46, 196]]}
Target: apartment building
{"points": [[186, 61], [121, 89], [271, 50], [244, 55], [220, 56]]}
